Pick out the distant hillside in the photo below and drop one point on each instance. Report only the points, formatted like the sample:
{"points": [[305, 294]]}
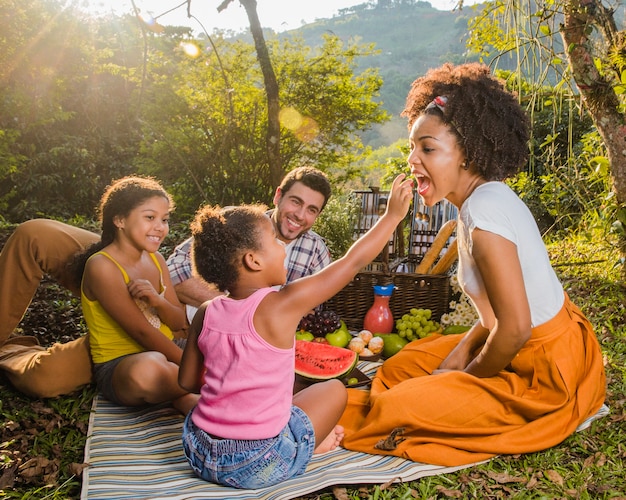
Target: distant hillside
{"points": [[412, 37]]}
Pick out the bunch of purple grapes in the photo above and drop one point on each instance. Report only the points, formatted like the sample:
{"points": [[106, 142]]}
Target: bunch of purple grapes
{"points": [[320, 323]]}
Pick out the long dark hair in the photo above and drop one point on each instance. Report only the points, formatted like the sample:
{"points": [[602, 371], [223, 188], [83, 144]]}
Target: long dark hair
{"points": [[118, 200]]}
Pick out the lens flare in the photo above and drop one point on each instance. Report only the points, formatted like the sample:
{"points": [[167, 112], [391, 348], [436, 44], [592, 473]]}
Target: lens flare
{"points": [[304, 128], [190, 49]]}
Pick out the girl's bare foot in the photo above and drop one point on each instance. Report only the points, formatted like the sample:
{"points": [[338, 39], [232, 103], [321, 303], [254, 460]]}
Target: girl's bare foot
{"points": [[331, 441]]}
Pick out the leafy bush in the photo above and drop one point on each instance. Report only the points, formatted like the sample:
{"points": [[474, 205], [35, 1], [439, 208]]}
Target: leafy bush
{"points": [[336, 223], [575, 192]]}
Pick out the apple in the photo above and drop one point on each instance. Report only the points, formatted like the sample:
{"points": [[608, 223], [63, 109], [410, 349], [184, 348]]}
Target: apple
{"points": [[341, 337], [304, 335]]}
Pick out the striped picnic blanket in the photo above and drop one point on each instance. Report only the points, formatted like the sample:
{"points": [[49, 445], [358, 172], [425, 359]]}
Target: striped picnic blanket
{"points": [[137, 453]]}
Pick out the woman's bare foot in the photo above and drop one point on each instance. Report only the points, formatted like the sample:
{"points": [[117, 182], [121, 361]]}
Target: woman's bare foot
{"points": [[331, 441]]}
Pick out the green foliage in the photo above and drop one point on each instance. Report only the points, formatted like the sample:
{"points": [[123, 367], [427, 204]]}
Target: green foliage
{"points": [[88, 101], [567, 173], [488, 35], [66, 115], [336, 223], [410, 36], [575, 193], [397, 164], [209, 145], [381, 165]]}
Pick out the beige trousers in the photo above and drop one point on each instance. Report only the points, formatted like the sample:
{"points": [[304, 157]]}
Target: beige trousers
{"points": [[39, 247]]}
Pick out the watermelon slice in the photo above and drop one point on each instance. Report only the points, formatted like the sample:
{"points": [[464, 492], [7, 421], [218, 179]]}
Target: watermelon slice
{"points": [[316, 361]]}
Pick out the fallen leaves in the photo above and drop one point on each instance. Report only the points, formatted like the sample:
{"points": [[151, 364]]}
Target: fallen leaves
{"points": [[340, 493], [503, 477], [7, 478], [77, 469], [554, 476], [40, 466], [33, 444]]}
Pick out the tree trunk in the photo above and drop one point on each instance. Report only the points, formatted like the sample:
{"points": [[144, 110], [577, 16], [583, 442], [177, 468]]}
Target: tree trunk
{"points": [[271, 90], [596, 90]]}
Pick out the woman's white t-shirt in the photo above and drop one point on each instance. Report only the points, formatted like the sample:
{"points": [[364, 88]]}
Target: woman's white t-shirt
{"points": [[495, 207]]}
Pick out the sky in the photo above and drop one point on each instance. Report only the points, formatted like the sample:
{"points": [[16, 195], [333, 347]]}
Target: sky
{"points": [[280, 15]]}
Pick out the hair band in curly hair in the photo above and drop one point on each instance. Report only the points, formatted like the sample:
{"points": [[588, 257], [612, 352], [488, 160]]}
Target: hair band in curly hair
{"points": [[440, 103]]}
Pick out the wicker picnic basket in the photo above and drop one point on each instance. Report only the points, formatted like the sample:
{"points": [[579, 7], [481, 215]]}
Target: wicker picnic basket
{"points": [[423, 291]]}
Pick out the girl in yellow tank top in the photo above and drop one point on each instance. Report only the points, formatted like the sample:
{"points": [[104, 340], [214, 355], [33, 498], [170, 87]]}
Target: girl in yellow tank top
{"points": [[129, 304]]}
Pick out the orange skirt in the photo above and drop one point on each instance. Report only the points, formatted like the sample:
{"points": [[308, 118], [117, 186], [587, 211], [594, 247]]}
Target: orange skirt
{"points": [[555, 382]]}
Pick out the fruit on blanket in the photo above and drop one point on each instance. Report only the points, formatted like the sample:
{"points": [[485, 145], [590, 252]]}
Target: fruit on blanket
{"points": [[316, 361], [320, 323], [393, 344], [366, 353], [340, 337], [366, 345], [366, 335], [417, 323], [304, 335], [320, 340]]}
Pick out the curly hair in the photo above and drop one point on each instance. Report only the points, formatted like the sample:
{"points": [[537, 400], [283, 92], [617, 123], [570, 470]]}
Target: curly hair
{"points": [[487, 119], [118, 200], [221, 237]]}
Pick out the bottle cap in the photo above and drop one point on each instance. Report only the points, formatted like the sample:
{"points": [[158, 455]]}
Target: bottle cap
{"points": [[384, 290]]}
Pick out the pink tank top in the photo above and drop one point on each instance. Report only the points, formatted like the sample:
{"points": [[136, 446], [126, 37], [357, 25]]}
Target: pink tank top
{"points": [[247, 388]]}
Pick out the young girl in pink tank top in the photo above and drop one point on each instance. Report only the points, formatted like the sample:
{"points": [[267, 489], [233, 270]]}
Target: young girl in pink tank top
{"points": [[249, 430]]}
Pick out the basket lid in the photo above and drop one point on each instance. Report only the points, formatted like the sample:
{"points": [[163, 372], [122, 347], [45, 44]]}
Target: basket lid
{"points": [[384, 290]]}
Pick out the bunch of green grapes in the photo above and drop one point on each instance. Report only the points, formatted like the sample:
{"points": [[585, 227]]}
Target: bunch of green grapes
{"points": [[416, 324]]}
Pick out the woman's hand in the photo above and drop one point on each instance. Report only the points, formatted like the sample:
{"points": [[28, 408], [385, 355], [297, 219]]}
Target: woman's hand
{"points": [[458, 359], [466, 350]]}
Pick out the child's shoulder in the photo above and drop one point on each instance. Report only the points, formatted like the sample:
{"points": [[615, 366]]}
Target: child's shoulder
{"points": [[102, 264], [100, 257]]}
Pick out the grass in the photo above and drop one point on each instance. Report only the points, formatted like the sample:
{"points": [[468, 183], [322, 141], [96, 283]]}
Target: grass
{"points": [[42, 443]]}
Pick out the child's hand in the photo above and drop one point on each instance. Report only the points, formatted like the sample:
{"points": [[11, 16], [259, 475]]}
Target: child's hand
{"points": [[400, 197], [143, 289]]}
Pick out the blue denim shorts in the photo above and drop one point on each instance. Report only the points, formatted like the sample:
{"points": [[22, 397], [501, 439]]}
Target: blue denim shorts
{"points": [[251, 464]]}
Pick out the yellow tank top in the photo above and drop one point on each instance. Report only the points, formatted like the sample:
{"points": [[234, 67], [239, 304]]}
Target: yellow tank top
{"points": [[107, 339]]}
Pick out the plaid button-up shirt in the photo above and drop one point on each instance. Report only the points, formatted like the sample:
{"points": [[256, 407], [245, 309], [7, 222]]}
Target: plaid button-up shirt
{"points": [[306, 255]]}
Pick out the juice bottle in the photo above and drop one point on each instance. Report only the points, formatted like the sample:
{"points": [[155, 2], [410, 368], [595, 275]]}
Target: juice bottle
{"points": [[379, 318]]}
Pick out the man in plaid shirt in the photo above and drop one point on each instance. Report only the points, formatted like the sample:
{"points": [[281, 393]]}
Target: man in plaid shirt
{"points": [[300, 198]]}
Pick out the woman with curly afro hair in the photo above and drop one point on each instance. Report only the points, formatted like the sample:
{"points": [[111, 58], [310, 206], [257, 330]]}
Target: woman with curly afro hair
{"points": [[530, 371]]}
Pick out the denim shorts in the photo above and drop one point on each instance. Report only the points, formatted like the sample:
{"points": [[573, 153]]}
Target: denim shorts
{"points": [[251, 464], [103, 377]]}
